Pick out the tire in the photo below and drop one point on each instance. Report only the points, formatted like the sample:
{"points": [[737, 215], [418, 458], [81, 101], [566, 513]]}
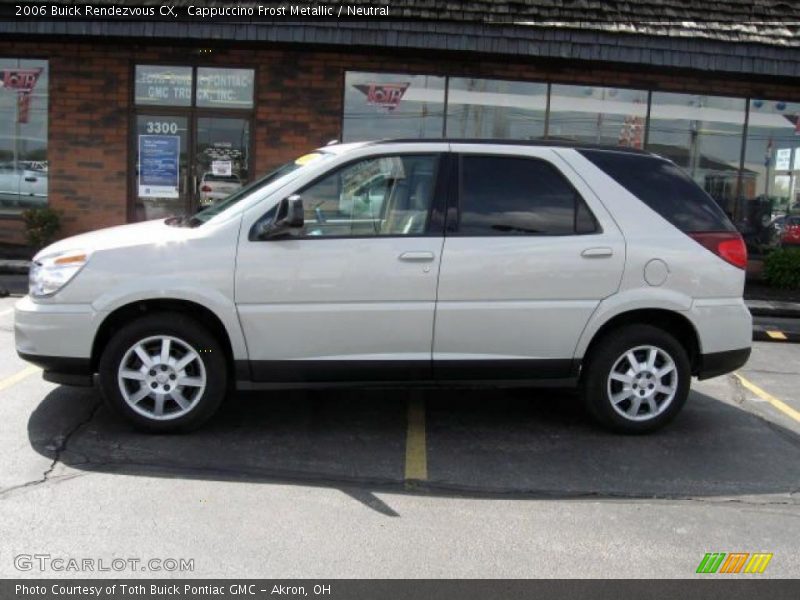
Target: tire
{"points": [[190, 392], [627, 400]]}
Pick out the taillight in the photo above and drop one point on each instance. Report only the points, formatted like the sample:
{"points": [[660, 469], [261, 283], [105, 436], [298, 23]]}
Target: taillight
{"points": [[205, 188], [728, 245]]}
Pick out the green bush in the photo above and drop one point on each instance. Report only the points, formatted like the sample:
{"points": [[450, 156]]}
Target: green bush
{"points": [[782, 268], [41, 226]]}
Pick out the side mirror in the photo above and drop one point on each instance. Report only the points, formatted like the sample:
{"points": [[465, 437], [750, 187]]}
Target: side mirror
{"points": [[288, 219]]}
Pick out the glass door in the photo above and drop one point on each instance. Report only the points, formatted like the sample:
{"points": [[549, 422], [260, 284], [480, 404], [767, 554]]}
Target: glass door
{"points": [[221, 158], [162, 175]]}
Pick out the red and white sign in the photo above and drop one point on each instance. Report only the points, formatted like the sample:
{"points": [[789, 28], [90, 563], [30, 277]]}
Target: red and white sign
{"points": [[386, 95], [21, 81]]}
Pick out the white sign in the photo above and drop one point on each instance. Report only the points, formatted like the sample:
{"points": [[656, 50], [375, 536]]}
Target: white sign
{"points": [[796, 165], [221, 167], [783, 159]]}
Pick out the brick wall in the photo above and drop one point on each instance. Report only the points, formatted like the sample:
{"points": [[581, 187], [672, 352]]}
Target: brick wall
{"points": [[298, 106]]}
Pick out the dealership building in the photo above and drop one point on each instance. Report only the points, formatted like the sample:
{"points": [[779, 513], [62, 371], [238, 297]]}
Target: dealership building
{"points": [[119, 120]]}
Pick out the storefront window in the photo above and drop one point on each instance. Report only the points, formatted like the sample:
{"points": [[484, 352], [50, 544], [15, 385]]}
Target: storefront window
{"points": [[225, 88], [196, 153], [598, 115], [702, 134], [23, 134], [484, 108], [382, 105], [163, 85], [772, 159]]}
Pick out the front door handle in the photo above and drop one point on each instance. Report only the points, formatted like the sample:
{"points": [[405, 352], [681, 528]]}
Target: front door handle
{"points": [[597, 253], [417, 256]]}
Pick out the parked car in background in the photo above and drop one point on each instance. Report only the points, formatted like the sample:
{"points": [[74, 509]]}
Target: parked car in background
{"points": [[475, 262], [214, 188], [790, 232], [21, 187]]}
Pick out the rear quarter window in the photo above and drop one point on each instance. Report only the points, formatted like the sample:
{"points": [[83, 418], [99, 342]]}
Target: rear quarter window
{"points": [[665, 188]]}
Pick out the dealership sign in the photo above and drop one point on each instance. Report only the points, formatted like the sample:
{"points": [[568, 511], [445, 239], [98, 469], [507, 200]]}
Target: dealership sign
{"points": [[385, 95], [21, 81]]}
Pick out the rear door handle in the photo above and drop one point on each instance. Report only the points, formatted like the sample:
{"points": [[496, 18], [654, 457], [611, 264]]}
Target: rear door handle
{"points": [[597, 253], [417, 256]]}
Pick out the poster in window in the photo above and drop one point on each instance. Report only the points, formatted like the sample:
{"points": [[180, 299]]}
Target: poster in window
{"points": [[158, 166]]}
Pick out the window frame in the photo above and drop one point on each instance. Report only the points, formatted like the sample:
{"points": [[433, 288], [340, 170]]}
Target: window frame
{"points": [[435, 222], [453, 222]]}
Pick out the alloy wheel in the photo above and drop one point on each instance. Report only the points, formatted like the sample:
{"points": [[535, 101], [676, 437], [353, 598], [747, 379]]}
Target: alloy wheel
{"points": [[162, 377], [642, 383]]}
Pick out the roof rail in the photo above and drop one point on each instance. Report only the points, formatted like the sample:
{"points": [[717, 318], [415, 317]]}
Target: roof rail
{"points": [[552, 142]]}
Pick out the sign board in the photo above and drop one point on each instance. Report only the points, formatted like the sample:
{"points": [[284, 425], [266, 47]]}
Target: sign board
{"points": [[796, 164], [229, 88], [385, 95], [783, 159], [170, 86], [159, 157], [222, 167]]}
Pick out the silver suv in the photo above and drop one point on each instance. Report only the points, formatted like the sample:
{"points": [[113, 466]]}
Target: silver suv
{"points": [[400, 262]]}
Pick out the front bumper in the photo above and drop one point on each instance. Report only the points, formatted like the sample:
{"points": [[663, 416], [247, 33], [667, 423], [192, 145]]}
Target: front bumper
{"points": [[58, 369], [58, 338]]}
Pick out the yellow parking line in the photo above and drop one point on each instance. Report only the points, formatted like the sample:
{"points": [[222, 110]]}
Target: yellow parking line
{"points": [[776, 335], [17, 377], [779, 404], [416, 452]]}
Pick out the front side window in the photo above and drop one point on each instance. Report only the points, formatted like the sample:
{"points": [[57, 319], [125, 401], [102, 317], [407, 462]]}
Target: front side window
{"points": [[382, 196], [519, 196], [23, 134]]}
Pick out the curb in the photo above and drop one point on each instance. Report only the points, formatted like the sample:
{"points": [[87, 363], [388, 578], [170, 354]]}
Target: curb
{"points": [[775, 336], [14, 267], [780, 310]]}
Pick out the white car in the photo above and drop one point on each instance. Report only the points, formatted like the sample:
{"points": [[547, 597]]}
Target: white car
{"points": [[466, 262], [22, 188], [214, 188]]}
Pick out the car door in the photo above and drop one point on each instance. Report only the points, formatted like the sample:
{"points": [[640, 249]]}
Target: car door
{"points": [[529, 254], [352, 297]]}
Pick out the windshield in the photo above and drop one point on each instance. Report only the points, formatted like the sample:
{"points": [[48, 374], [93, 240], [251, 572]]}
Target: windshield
{"points": [[212, 211]]}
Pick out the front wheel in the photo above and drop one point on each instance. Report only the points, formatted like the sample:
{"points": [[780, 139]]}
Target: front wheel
{"points": [[163, 372], [637, 379]]}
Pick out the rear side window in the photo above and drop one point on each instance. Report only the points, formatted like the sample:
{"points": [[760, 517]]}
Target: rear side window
{"points": [[665, 188], [519, 196]]}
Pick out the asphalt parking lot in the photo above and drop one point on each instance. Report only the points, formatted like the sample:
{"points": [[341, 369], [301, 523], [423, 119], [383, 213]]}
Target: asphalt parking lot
{"points": [[435, 483]]}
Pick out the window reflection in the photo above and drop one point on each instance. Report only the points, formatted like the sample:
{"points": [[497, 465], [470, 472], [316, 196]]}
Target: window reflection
{"points": [[484, 108], [598, 115], [702, 134], [384, 105], [773, 139], [23, 134]]}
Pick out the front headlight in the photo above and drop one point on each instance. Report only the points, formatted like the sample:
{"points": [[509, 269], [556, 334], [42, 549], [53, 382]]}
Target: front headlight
{"points": [[50, 273]]}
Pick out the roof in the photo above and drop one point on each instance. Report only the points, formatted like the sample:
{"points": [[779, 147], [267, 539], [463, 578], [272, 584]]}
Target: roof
{"points": [[759, 37]]}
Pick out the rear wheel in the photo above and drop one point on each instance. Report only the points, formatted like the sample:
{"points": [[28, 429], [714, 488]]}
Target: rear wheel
{"points": [[164, 372], [636, 379]]}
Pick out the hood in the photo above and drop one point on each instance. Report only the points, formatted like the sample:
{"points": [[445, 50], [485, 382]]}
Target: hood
{"points": [[120, 236]]}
